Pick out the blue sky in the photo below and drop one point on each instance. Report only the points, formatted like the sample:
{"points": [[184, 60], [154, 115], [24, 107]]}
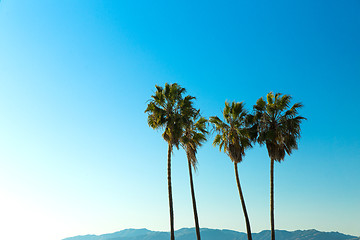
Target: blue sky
{"points": [[76, 153]]}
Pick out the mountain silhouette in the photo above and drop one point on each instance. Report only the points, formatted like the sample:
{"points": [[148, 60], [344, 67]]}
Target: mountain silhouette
{"points": [[215, 234]]}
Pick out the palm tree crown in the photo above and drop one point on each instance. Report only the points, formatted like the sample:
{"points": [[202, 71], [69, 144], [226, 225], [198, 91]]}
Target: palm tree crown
{"points": [[194, 136], [168, 110], [278, 124], [232, 135]]}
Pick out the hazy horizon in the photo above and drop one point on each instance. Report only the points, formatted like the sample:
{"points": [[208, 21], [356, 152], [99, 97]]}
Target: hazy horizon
{"points": [[78, 157], [187, 233], [176, 229]]}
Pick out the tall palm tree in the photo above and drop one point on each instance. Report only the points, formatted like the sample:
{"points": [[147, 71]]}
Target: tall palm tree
{"points": [[168, 110], [233, 136], [193, 138], [279, 129]]}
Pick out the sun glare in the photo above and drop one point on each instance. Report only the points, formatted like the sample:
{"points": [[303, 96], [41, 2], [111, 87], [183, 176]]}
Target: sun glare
{"points": [[20, 219]]}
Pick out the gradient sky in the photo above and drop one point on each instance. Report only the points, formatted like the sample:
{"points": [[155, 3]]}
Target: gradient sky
{"points": [[77, 156]]}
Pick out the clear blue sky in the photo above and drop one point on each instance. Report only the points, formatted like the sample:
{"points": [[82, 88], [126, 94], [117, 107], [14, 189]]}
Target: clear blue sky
{"points": [[77, 156]]}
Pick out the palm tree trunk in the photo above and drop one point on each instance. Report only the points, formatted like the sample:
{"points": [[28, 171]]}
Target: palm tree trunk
{"points": [[172, 234], [194, 202], [272, 200], [248, 229]]}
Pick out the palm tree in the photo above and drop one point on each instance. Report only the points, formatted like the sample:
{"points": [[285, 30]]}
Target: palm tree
{"points": [[168, 110], [233, 136], [193, 138], [278, 128]]}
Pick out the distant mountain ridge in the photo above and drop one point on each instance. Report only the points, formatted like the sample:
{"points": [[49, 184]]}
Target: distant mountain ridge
{"points": [[215, 234]]}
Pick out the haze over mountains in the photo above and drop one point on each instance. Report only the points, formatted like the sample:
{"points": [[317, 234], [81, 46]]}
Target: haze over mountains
{"points": [[215, 234]]}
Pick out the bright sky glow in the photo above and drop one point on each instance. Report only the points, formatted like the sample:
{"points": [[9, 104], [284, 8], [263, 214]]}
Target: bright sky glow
{"points": [[77, 156]]}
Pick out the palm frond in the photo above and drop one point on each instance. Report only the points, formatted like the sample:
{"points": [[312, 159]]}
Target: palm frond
{"points": [[270, 98]]}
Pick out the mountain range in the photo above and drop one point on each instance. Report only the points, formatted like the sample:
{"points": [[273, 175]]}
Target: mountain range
{"points": [[215, 234]]}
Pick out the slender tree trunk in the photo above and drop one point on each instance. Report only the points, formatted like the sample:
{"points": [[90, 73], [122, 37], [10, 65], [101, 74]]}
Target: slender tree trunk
{"points": [[248, 229], [172, 234], [272, 200], [194, 202]]}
